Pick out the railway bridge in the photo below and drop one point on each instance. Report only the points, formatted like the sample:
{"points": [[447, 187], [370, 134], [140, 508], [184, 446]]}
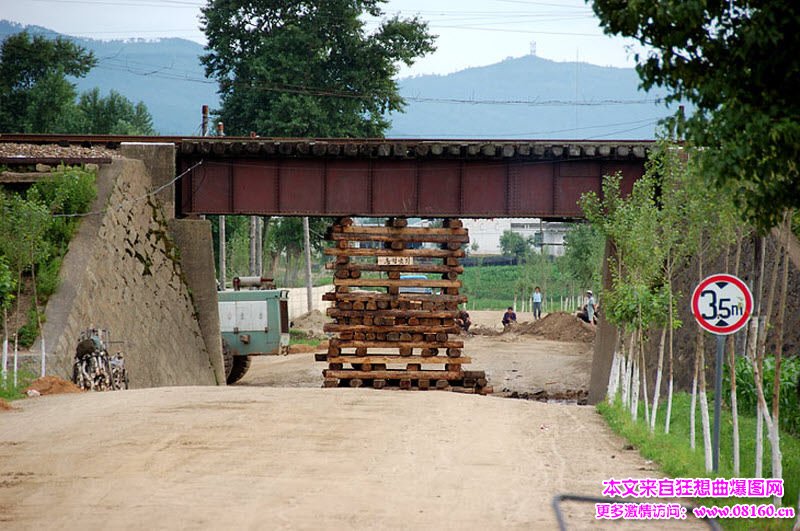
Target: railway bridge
{"points": [[381, 178], [419, 178]]}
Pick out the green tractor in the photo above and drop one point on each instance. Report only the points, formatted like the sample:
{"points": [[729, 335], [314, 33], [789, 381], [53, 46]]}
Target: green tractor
{"points": [[254, 321]]}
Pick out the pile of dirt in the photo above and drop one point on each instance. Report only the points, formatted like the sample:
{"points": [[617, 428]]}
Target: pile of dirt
{"points": [[484, 331], [302, 348], [5, 406], [53, 385], [311, 323], [556, 326]]}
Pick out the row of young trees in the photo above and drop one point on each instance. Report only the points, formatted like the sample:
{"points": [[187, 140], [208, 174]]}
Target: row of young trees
{"points": [[35, 230], [36, 95], [279, 246], [673, 220]]}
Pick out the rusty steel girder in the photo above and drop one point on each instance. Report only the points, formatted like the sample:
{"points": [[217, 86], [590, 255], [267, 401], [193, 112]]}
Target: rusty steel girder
{"points": [[425, 188]]}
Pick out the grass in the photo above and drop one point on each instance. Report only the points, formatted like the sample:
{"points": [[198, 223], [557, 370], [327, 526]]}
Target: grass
{"points": [[298, 337], [493, 287], [675, 457], [10, 392]]}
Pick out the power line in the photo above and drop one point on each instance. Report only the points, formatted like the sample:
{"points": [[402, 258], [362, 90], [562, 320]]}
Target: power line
{"points": [[163, 73]]}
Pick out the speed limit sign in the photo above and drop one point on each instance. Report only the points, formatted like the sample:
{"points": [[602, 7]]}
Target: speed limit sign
{"points": [[722, 304]]}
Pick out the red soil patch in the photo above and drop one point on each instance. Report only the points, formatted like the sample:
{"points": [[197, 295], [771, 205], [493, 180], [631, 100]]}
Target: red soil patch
{"points": [[53, 385], [5, 406], [302, 348]]}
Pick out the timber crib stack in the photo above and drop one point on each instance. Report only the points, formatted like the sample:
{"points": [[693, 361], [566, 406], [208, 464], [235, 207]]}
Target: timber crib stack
{"points": [[398, 337]]}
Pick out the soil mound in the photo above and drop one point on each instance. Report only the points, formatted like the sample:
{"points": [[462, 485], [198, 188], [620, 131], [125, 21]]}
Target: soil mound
{"points": [[5, 406], [53, 385], [484, 331], [311, 323], [302, 348], [556, 326]]}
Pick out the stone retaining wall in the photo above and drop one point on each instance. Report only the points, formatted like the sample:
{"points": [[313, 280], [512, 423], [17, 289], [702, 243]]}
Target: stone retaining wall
{"points": [[123, 273]]}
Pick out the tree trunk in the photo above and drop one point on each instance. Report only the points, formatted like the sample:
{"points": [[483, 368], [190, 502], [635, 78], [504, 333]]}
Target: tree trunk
{"points": [[613, 379], [657, 387], [16, 331], [693, 408], [777, 468], [762, 411], [634, 378], [671, 379], [643, 368], [732, 372], [43, 361], [5, 346]]}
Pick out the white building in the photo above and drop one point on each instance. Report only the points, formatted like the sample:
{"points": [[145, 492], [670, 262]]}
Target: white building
{"points": [[486, 233]]}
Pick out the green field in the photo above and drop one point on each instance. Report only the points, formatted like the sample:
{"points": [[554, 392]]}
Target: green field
{"points": [[675, 457], [493, 287]]}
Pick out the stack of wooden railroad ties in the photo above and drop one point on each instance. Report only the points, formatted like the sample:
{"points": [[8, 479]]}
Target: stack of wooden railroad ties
{"points": [[391, 338]]}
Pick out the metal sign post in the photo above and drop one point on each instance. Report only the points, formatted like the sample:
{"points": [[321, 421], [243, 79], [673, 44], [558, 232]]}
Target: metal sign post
{"points": [[722, 305]]}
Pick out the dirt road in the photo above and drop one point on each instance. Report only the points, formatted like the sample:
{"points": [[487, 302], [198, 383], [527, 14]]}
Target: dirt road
{"points": [[259, 457]]}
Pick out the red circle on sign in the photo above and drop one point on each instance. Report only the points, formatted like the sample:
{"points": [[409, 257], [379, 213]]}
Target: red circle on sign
{"points": [[711, 327]]}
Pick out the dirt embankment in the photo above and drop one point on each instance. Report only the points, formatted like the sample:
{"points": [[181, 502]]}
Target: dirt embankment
{"points": [[53, 385], [311, 324], [556, 326]]}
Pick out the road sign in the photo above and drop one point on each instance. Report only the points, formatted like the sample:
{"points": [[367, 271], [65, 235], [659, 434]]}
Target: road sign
{"points": [[722, 304]]}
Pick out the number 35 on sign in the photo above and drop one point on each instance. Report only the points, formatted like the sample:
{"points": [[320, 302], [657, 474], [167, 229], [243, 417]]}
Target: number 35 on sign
{"points": [[722, 304]]}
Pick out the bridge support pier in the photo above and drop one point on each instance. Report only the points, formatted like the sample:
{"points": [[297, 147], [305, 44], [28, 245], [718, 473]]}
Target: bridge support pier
{"points": [[193, 238], [604, 343]]}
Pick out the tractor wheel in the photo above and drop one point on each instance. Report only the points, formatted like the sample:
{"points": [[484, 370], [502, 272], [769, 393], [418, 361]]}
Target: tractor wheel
{"points": [[227, 360], [240, 366]]}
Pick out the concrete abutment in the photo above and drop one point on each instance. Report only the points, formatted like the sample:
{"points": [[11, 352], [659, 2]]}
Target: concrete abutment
{"points": [[146, 277]]}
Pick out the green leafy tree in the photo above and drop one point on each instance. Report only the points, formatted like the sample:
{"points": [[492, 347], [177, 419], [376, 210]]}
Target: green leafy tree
{"points": [[583, 254], [516, 245], [308, 68], [113, 114], [723, 57], [35, 94]]}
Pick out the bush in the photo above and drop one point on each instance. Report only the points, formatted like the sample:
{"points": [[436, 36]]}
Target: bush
{"points": [[29, 331], [789, 399], [8, 391]]}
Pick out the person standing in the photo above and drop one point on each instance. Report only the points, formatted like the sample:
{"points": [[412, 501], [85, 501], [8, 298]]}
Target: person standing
{"points": [[590, 306], [537, 303]]}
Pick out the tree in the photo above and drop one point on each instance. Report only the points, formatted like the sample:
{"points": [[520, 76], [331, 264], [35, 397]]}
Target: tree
{"points": [[35, 95], [516, 245], [308, 68], [114, 114], [7, 286], [583, 254], [723, 57]]}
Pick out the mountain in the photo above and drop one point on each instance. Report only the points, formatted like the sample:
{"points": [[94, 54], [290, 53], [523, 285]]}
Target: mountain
{"points": [[529, 97], [526, 97], [165, 74]]}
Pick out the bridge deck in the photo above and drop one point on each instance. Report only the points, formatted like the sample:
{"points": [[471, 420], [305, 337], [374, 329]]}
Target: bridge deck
{"points": [[399, 177]]}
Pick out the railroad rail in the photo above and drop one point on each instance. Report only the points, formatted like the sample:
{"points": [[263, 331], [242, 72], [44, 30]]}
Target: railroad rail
{"points": [[377, 177]]}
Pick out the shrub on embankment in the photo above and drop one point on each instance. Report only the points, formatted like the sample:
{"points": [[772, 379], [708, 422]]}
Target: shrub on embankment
{"points": [[36, 227]]}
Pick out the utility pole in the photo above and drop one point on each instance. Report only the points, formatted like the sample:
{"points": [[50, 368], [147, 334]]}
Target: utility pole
{"points": [[222, 239], [259, 246], [307, 244], [222, 250], [253, 238]]}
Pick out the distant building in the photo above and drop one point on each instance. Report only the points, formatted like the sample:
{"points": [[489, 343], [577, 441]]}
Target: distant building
{"points": [[548, 237]]}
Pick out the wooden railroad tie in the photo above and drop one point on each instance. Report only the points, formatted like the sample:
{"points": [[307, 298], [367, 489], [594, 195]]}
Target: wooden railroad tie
{"points": [[392, 322]]}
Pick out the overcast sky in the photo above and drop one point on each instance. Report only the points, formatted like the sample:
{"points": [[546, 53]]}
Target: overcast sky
{"points": [[471, 32]]}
